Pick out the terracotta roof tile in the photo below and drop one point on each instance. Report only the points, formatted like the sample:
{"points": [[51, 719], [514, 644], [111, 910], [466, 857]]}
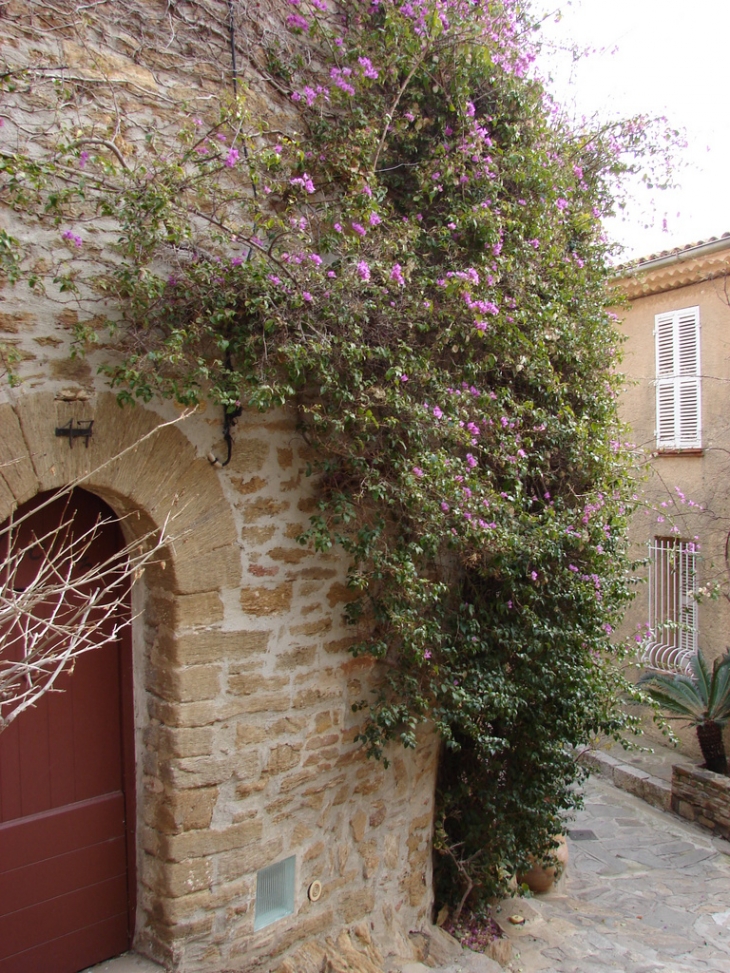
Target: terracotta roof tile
{"points": [[635, 264]]}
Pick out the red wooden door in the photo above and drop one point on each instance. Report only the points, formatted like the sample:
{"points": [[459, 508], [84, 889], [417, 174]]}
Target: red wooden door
{"points": [[66, 886]]}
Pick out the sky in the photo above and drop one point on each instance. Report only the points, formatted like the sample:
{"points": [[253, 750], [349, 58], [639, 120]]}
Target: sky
{"points": [[659, 58]]}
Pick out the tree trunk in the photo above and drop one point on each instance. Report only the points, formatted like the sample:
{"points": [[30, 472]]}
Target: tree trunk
{"points": [[709, 735]]}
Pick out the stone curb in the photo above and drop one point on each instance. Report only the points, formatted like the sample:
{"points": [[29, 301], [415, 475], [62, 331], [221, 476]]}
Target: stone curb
{"points": [[626, 777]]}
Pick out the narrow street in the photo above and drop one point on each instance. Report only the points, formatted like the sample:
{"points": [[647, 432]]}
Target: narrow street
{"points": [[644, 891]]}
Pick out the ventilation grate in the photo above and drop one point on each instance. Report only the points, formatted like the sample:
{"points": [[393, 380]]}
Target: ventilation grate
{"points": [[274, 892]]}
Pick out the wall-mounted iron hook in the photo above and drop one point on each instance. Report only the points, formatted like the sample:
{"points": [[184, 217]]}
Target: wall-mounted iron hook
{"points": [[229, 421]]}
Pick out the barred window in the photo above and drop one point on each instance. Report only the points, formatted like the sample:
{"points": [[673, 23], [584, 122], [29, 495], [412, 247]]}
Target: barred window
{"points": [[672, 603]]}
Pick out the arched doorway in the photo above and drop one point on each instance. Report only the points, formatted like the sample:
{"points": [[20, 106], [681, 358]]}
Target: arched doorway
{"points": [[67, 819]]}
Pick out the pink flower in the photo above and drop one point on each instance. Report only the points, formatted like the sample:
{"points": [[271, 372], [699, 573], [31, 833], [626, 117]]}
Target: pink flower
{"points": [[561, 203], [359, 229], [232, 158], [367, 69], [296, 22], [396, 275], [73, 238], [83, 157], [304, 181], [533, 575], [374, 219], [418, 471], [404, 377], [471, 461], [307, 296], [444, 506], [363, 270]]}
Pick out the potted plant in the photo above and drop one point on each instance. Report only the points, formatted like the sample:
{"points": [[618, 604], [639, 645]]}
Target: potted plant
{"points": [[542, 875], [701, 697]]}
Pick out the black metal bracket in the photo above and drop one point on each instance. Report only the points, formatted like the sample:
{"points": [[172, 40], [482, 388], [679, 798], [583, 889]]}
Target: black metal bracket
{"points": [[82, 430]]}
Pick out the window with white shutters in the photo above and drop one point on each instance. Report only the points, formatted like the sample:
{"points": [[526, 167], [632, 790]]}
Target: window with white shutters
{"points": [[672, 603], [678, 379]]}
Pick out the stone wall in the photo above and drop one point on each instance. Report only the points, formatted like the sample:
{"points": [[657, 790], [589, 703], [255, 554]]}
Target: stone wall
{"points": [[246, 745], [702, 796]]}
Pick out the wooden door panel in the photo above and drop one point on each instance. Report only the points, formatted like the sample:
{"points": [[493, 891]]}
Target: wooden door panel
{"points": [[57, 832], [65, 900], [63, 915], [22, 887], [72, 952]]}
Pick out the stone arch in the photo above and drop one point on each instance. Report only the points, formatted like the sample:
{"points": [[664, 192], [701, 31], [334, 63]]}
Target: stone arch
{"points": [[143, 477], [134, 474]]}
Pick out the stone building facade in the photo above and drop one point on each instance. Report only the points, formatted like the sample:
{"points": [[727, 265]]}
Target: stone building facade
{"points": [[677, 366], [244, 735]]}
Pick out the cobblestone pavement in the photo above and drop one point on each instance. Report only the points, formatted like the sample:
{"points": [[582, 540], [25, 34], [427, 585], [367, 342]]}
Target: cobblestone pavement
{"points": [[644, 892]]}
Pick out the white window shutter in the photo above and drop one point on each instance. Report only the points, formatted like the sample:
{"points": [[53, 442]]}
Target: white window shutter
{"points": [[665, 411], [689, 412], [678, 379], [688, 340], [665, 345]]}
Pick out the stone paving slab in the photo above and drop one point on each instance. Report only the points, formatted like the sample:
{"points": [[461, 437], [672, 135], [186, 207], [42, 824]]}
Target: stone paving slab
{"points": [[649, 895]]}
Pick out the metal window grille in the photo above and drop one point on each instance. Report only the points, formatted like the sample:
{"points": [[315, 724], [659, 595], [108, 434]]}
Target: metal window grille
{"points": [[672, 604], [274, 892]]}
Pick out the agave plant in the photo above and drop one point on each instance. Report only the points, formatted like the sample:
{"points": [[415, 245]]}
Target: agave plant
{"points": [[702, 698]]}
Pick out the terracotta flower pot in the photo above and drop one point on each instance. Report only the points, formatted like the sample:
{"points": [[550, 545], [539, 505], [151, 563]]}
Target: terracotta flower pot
{"points": [[541, 878]]}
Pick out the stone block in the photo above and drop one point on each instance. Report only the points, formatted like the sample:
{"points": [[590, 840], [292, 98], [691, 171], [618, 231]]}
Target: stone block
{"points": [[185, 685], [252, 537], [282, 758], [311, 629], [250, 683], [202, 570], [16, 467], [358, 904], [210, 645], [358, 823], [194, 772], [262, 507], [179, 741], [630, 779], [289, 555], [249, 456], [301, 657], [658, 793], [266, 703], [233, 865], [185, 810], [175, 879], [600, 762], [247, 487], [199, 844], [265, 600], [180, 612]]}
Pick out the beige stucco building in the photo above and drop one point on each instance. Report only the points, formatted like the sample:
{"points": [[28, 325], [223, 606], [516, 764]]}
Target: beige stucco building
{"points": [[677, 367], [252, 821]]}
